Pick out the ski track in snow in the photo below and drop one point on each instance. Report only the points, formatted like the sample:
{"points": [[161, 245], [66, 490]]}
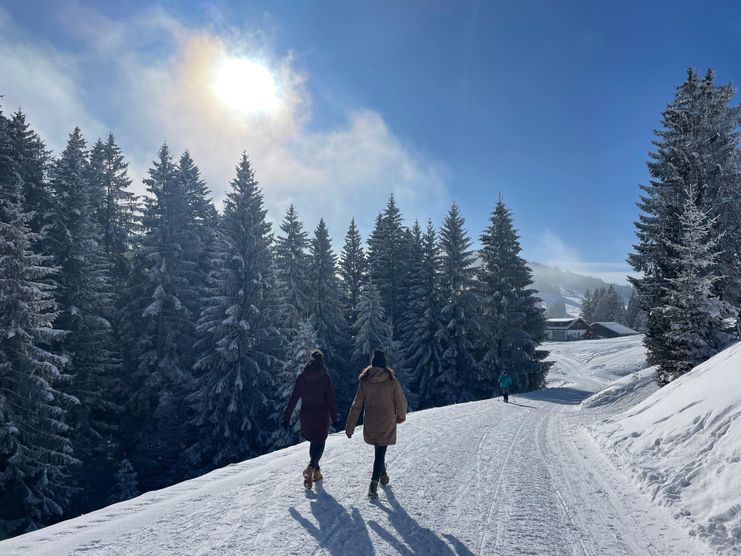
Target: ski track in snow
{"points": [[477, 478]]}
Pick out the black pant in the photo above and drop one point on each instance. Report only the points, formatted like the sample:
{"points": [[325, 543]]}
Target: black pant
{"points": [[505, 393], [379, 464], [316, 449]]}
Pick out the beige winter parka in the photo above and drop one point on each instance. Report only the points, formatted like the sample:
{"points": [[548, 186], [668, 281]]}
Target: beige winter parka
{"points": [[385, 406]]}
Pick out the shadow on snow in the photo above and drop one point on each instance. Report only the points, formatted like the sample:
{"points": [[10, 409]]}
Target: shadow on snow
{"points": [[333, 518], [563, 396], [341, 532], [415, 539]]}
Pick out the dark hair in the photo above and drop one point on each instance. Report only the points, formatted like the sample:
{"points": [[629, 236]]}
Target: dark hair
{"points": [[316, 362], [379, 359]]}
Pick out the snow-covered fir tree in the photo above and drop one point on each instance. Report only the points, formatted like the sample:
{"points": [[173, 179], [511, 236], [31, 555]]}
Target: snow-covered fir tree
{"points": [[372, 330], [115, 206], [716, 156], [413, 262], [35, 449], [609, 307], [32, 161], [353, 272], [159, 328], [243, 349], [124, 486], [633, 311], [697, 146], [199, 234], [587, 306], [694, 314], [327, 313], [386, 261], [422, 350], [459, 377], [85, 301], [512, 324], [326, 297], [635, 317], [292, 266]]}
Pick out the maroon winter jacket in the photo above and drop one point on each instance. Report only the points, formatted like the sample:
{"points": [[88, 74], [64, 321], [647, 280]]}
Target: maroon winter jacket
{"points": [[318, 404]]}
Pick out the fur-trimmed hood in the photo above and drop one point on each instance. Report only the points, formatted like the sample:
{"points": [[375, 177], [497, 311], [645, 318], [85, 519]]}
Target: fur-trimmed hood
{"points": [[376, 374]]}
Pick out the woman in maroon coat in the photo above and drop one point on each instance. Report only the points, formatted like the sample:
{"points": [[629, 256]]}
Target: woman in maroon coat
{"points": [[315, 390]]}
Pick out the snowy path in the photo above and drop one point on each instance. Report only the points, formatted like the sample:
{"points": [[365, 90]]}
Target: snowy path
{"points": [[478, 478]]}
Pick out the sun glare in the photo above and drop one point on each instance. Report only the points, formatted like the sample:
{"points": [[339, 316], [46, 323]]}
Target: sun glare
{"points": [[246, 86]]}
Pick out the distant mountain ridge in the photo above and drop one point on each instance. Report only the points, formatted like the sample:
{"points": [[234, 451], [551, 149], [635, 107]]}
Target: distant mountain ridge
{"points": [[556, 287]]}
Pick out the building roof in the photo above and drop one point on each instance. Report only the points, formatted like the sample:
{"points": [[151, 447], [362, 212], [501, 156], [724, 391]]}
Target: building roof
{"points": [[617, 328], [563, 322]]}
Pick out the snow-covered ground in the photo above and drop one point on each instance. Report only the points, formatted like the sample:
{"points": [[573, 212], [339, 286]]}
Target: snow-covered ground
{"points": [[683, 444], [477, 478]]}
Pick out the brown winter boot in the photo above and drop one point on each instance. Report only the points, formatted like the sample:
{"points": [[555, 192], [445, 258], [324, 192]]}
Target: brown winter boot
{"points": [[308, 476], [318, 475], [373, 490], [384, 480]]}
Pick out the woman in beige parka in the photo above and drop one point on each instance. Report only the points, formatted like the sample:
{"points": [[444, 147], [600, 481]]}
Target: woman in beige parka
{"points": [[385, 406]]}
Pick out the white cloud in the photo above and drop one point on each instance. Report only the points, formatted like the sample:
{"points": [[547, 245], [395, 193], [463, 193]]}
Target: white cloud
{"points": [[348, 170], [44, 83]]}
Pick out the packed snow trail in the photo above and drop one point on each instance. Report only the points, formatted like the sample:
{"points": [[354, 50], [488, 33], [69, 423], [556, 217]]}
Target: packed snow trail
{"points": [[477, 478]]}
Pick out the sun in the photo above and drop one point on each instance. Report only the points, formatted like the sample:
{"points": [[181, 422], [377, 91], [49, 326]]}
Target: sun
{"points": [[246, 86]]}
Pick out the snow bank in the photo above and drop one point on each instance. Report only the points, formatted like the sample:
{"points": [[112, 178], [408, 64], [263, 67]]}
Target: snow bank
{"points": [[625, 356], [683, 444], [625, 390]]}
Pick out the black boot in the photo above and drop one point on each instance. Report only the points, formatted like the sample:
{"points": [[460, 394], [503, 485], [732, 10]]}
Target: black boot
{"points": [[373, 490]]}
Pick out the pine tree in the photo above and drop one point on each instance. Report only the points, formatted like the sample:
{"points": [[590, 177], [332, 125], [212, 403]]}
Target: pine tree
{"points": [[327, 311], [353, 271], [694, 314], [35, 450], [512, 324], [609, 307], [241, 339], [423, 353], [199, 236], [325, 295], [696, 147], [413, 263], [124, 487], [292, 266], [632, 313], [459, 377], [32, 161], [159, 328], [587, 306], [386, 263], [116, 211], [85, 300], [372, 330]]}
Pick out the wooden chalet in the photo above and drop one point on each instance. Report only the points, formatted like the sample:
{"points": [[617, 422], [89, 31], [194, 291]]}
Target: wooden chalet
{"points": [[564, 329]]}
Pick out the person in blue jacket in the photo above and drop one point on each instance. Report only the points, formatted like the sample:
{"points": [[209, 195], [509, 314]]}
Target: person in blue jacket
{"points": [[505, 383]]}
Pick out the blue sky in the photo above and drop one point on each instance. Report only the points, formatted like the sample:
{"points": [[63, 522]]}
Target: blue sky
{"points": [[550, 103]]}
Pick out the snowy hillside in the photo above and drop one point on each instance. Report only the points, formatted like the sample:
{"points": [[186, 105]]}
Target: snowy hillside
{"points": [[683, 444], [476, 478], [556, 287]]}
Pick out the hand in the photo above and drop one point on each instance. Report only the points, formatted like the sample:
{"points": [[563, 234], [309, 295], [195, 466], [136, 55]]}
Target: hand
{"points": [[285, 425], [399, 420]]}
